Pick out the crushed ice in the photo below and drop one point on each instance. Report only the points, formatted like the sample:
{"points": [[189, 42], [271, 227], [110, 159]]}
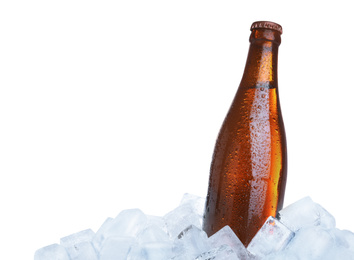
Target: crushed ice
{"points": [[304, 230]]}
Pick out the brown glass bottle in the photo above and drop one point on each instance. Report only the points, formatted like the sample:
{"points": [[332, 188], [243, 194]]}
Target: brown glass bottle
{"points": [[249, 165]]}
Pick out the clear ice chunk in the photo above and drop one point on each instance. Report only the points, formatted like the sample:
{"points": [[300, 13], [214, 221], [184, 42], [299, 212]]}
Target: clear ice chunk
{"points": [[196, 202], [76, 238], [151, 251], [223, 252], [305, 213], [191, 241], [282, 255], [180, 218], [272, 237], [226, 236], [79, 246], [51, 252], [99, 236], [312, 243], [153, 233], [83, 251], [156, 221], [344, 238], [128, 223], [183, 256], [116, 248], [339, 253]]}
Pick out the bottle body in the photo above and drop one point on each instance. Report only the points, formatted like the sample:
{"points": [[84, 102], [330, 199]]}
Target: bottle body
{"points": [[248, 169]]}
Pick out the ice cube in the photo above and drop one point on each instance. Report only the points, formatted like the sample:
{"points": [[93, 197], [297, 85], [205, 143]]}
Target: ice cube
{"points": [[180, 218], [183, 256], [338, 253], [312, 243], [153, 233], [79, 246], [151, 251], [51, 252], [157, 250], [192, 241], [223, 252], [76, 238], [344, 238], [115, 247], [282, 255], [128, 223], [99, 236], [83, 251], [157, 221], [196, 202], [305, 213], [226, 236], [272, 237]]}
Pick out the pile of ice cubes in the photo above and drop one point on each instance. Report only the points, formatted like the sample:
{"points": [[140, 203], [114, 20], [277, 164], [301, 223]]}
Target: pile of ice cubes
{"points": [[303, 230]]}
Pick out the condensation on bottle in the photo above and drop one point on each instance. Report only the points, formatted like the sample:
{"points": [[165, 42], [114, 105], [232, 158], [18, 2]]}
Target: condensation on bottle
{"points": [[249, 165]]}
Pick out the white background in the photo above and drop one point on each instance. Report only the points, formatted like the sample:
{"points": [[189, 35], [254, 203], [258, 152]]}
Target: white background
{"points": [[110, 105]]}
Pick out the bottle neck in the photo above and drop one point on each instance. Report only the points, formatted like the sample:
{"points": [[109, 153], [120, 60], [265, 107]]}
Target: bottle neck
{"points": [[261, 68]]}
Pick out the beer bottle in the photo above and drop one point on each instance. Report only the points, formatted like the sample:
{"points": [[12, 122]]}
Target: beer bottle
{"points": [[249, 164]]}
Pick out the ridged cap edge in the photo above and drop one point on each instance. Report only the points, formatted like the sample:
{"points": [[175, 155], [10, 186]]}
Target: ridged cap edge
{"points": [[267, 25]]}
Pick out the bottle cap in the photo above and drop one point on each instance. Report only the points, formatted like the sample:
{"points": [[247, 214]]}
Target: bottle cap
{"points": [[267, 25]]}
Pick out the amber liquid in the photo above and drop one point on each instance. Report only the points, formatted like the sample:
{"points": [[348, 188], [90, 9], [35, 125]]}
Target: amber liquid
{"points": [[248, 170]]}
